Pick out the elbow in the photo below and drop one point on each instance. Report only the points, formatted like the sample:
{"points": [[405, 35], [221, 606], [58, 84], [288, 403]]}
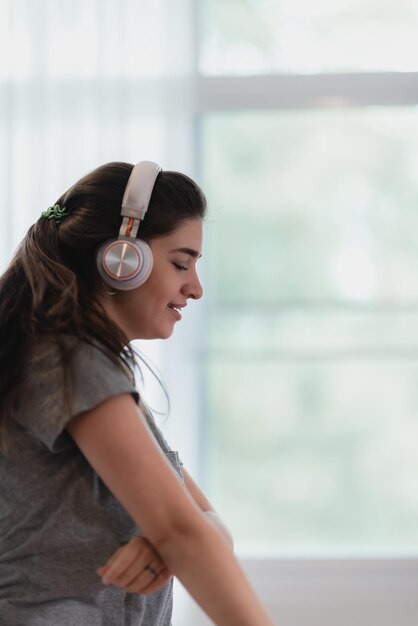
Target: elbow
{"points": [[180, 533]]}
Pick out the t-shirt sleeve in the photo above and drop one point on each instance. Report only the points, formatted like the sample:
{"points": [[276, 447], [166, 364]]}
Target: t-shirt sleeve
{"points": [[146, 411], [44, 409]]}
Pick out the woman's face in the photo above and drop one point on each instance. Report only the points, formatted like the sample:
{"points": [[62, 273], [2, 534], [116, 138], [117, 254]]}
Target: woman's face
{"points": [[148, 312]]}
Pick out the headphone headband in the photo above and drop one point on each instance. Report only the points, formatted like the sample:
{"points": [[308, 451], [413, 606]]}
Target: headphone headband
{"points": [[139, 189]]}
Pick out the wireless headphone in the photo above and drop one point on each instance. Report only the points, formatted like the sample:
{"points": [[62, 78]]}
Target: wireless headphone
{"points": [[126, 262]]}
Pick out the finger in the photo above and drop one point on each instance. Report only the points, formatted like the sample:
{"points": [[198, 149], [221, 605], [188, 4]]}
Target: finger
{"points": [[145, 557], [141, 585], [148, 574], [164, 577], [118, 563], [140, 569]]}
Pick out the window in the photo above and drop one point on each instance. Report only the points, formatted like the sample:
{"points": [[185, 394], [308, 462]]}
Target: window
{"points": [[313, 353], [307, 145], [242, 37]]}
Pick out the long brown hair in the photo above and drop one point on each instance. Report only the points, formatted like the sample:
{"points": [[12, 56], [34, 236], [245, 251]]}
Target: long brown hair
{"points": [[51, 286]]}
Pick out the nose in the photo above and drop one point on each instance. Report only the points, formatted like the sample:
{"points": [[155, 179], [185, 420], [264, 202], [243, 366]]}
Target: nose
{"points": [[193, 288]]}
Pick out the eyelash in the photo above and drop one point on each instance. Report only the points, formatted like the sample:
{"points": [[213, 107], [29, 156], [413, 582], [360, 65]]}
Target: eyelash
{"points": [[180, 267]]}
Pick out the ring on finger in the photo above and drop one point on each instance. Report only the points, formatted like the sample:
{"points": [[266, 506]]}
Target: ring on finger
{"points": [[148, 568]]}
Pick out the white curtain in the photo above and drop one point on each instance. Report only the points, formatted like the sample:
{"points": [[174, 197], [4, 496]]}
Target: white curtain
{"points": [[84, 82]]}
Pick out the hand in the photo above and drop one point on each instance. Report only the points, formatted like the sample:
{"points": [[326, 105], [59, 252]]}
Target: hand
{"points": [[135, 567]]}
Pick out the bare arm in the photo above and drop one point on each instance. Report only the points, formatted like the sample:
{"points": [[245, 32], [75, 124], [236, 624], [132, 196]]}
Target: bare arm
{"points": [[117, 443], [205, 506]]}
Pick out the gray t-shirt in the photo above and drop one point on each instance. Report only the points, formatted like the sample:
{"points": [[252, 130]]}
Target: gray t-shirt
{"points": [[58, 521]]}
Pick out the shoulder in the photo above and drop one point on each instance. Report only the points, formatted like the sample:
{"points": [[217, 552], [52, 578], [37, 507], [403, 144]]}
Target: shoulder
{"points": [[49, 356], [64, 377]]}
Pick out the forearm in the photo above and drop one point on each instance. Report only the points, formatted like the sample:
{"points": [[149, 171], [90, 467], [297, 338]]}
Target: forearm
{"points": [[126, 457], [205, 506], [214, 518], [211, 574]]}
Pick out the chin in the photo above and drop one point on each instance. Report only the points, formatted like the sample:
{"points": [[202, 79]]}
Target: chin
{"points": [[166, 334], [163, 331], [158, 334]]}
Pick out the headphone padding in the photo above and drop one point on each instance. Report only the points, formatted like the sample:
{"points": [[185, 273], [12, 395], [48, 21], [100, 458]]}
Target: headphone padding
{"points": [[139, 272]]}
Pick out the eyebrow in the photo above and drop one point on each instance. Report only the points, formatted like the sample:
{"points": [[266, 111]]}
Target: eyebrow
{"points": [[192, 253]]}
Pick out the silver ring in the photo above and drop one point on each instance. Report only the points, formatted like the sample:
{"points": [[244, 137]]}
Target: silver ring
{"points": [[152, 571]]}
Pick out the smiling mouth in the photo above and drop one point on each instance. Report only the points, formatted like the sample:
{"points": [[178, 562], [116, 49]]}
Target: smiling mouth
{"points": [[176, 311]]}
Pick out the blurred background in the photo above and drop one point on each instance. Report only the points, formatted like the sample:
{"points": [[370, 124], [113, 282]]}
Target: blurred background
{"points": [[294, 382]]}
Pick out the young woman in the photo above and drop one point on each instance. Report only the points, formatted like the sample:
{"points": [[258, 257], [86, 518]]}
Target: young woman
{"points": [[96, 511]]}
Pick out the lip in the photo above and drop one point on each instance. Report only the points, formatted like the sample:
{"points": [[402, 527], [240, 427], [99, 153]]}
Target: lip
{"points": [[176, 313]]}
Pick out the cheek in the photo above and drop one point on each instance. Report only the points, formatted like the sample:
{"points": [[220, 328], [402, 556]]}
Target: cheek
{"points": [[160, 288], [154, 295], [152, 299]]}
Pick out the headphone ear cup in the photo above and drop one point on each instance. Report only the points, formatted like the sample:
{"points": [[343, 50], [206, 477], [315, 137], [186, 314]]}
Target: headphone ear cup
{"points": [[124, 263]]}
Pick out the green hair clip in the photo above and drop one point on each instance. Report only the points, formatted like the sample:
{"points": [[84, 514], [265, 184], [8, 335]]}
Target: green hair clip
{"points": [[55, 212]]}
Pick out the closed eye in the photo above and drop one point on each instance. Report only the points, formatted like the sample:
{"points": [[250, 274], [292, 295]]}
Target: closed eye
{"points": [[180, 267]]}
